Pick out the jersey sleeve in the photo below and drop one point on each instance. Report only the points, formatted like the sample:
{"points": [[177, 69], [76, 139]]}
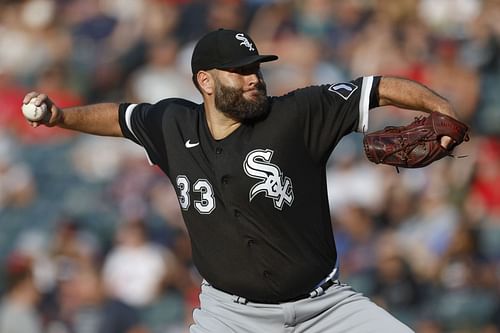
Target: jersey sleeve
{"points": [[142, 123], [331, 111]]}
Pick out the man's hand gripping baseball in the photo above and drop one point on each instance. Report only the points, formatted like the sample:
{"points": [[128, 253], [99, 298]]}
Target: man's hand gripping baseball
{"points": [[98, 119], [54, 112]]}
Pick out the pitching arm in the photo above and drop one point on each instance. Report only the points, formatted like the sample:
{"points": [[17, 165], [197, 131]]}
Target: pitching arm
{"points": [[98, 119], [408, 94]]}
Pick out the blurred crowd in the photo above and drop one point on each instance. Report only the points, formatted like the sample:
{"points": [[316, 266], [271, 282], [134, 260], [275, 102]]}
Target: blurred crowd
{"points": [[91, 237]]}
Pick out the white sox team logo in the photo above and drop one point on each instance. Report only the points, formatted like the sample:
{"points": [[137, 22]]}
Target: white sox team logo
{"points": [[345, 90], [274, 185], [244, 41]]}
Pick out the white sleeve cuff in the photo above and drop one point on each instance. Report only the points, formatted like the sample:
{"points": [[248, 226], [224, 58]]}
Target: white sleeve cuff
{"points": [[364, 104]]}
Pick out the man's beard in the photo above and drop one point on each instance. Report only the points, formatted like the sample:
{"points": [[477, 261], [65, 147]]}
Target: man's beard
{"points": [[232, 103]]}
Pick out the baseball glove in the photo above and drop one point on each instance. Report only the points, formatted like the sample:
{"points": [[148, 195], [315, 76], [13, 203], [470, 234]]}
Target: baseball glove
{"points": [[417, 144]]}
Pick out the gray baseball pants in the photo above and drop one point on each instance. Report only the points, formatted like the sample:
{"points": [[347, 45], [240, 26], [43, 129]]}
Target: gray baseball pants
{"points": [[339, 309]]}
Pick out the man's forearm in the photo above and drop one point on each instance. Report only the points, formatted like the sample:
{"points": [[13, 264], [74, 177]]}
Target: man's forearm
{"points": [[98, 119], [412, 95]]}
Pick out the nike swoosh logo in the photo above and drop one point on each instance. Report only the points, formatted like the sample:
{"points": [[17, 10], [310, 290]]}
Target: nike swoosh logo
{"points": [[188, 144]]}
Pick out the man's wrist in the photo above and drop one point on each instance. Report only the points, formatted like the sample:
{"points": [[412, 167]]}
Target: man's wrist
{"points": [[56, 118]]}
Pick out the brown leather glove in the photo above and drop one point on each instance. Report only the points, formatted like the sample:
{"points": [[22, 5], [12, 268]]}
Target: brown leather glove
{"points": [[417, 144]]}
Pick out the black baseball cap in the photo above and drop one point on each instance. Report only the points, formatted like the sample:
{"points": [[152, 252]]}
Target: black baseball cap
{"points": [[226, 49]]}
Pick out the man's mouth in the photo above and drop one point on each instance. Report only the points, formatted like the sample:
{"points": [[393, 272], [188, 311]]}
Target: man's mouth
{"points": [[254, 91]]}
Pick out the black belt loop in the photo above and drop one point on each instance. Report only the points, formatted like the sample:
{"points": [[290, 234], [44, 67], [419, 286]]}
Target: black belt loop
{"points": [[322, 288]]}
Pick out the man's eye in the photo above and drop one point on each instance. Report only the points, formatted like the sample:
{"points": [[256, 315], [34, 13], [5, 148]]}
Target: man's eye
{"points": [[246, 70]]}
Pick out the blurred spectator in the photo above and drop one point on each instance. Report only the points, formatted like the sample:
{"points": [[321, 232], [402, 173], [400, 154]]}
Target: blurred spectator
{"points": [[135, 268], [484, 50], [80, 306], [18, 312], [464, 283], [33, 243], [139, 27], [298, 67], [11, 97], [453, 79], [426, 235], [73, 251], [314, 18], [398, 206], [189, 280], [23, 42], [272, 21], [17, 187], [484, 195], [199, 16], [72, 245], [355, 238], [132, 187], [227, 14], [378, 40], [356, 184], [494, 322], [395, 287], [449, 17], [104, 314], [160, 76], [171, 310], [102, 160], [482, 204]]}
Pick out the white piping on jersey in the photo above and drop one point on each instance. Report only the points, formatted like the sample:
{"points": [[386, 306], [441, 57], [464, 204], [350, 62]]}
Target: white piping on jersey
{"points": [[128, 118], [364, 103], [334, 274]]}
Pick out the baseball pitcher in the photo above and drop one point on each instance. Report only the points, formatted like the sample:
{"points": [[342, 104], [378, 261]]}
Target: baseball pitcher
{"points": [[249, 171]]}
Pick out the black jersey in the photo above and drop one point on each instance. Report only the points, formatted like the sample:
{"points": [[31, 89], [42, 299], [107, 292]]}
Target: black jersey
{"points": [[255, 203]]}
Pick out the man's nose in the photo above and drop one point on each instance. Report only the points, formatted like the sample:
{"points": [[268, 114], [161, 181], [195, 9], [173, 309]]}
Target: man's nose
{"points": [[253, 79]]}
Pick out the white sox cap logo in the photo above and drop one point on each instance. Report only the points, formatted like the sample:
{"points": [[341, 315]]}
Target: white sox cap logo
{"points": [[244, 41], [274, 185]]}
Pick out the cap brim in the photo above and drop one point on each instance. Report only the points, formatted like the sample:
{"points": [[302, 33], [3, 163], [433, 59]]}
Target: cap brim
{"points": [[248, 61]]}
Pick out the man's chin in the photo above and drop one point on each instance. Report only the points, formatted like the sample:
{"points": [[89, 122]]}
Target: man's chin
{"points": [[248, 114], [256, 114]]}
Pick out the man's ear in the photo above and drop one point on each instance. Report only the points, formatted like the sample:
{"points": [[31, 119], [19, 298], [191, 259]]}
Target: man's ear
{"points": [[206, 82]]}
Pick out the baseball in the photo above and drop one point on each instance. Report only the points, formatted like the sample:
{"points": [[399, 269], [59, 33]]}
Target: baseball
{"points": [[33, 112]]}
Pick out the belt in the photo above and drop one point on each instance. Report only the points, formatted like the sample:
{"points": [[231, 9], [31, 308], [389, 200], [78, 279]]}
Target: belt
{"points": [[318, 291]]}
